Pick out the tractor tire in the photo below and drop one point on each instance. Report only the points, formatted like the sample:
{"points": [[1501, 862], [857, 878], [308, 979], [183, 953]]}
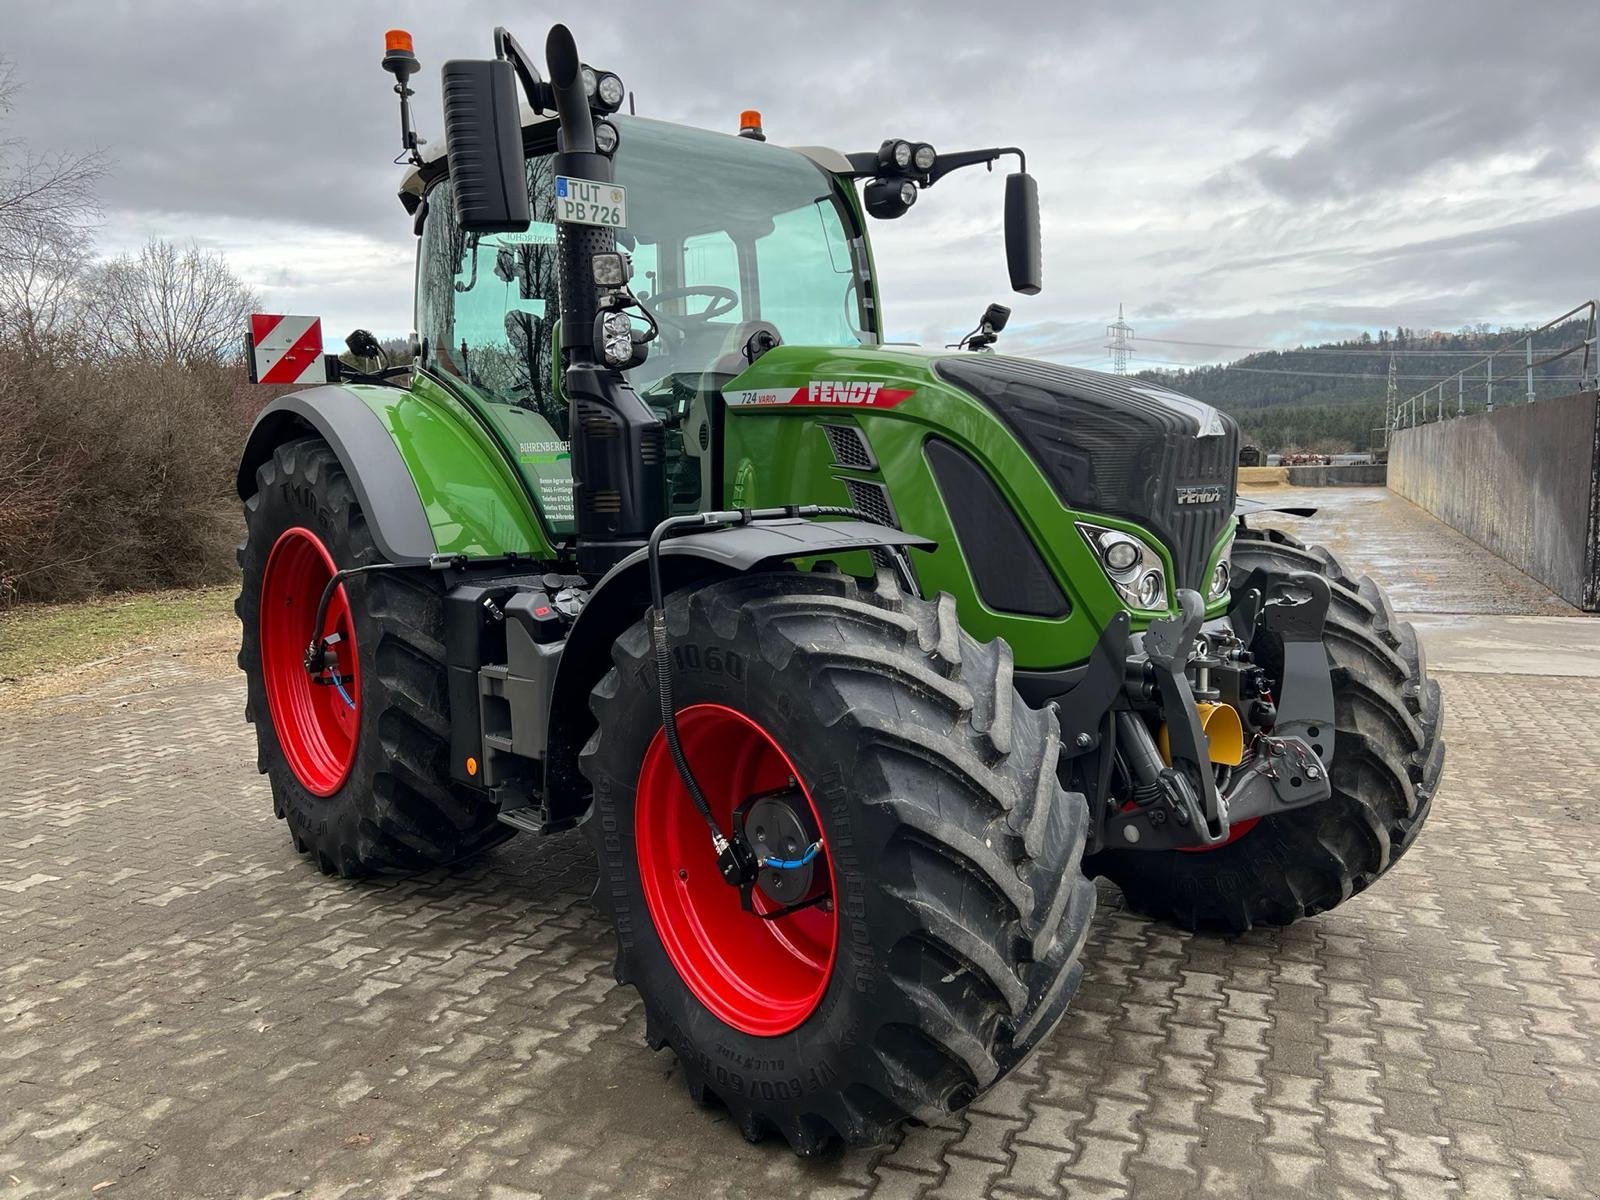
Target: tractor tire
{"points": [[1388, 753], [949, 851], [360, 772]]}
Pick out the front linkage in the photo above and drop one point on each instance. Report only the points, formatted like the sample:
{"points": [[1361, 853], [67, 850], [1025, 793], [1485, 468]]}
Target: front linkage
{"points": [[1175, 797]]}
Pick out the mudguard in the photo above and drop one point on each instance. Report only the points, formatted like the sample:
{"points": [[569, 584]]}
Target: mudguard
{"points": [[376, 469], [431, 475], [619, 599]]}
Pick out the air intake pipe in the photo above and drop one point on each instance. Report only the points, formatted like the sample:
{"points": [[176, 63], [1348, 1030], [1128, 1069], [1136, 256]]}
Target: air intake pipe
{"points": [[618, 460]]}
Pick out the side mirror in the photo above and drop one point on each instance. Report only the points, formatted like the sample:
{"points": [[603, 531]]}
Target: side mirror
{"points": [[362, 344], [483, 130], [1022, 233]]}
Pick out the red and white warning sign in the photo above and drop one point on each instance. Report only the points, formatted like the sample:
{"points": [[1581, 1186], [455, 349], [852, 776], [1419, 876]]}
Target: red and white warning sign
{"points": [[286, 349]]}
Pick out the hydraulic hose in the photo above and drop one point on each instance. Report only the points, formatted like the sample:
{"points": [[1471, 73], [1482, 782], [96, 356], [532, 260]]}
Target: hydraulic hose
{"points": [[735, 861]]}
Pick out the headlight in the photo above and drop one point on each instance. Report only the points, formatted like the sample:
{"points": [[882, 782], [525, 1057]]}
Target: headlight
{"points": [[605, 137], [618, 341], [908, 193], [590, 81], [923, 157], [1152, 590], [1120, 552], [610, 91], [1219, 580], [1131, 564]]}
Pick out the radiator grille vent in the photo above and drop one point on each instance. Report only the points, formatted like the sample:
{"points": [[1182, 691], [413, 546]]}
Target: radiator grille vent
{"points": [[873, 500], [850, 447]]}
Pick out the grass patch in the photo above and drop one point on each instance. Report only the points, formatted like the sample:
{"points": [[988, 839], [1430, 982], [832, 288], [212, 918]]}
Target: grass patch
{"points": [[35, 639]]}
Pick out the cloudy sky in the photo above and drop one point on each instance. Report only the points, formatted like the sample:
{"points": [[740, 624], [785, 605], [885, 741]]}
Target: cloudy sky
{"points": [[1245, 174]]}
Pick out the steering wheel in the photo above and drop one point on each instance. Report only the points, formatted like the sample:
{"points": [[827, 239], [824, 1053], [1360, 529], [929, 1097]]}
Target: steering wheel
{"points": [[723, 301]]}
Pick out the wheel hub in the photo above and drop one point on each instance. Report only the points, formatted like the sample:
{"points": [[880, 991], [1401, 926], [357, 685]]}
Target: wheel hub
{"points": [[778, 826]]}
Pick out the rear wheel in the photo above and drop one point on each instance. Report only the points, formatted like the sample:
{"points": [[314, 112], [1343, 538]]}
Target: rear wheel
{"points": [[1388, 753], [359, 766], [945, 908]]}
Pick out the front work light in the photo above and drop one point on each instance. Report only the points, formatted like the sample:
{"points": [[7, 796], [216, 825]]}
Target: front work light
{"points": [[887, 199], [610, 269], [605, 137], [610, 90], [617, 339], [923, 157]]}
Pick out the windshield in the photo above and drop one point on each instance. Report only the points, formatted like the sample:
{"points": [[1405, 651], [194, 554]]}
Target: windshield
{"points": [[724, 232]]}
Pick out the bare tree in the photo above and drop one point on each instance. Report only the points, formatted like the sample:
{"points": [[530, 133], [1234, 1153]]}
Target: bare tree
{"points": [[47, 210], [169, 305], [43, 197]]}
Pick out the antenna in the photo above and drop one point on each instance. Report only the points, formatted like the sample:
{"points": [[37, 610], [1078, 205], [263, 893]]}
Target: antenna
{"points": [[1119, 340]]}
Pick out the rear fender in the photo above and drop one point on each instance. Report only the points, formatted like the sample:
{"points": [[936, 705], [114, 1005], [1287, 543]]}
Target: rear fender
{"points": [[374, 464], [430, 478]]}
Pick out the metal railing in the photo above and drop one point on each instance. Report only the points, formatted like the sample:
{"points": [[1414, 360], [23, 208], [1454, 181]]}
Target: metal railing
{"points": [[1455, 394]]}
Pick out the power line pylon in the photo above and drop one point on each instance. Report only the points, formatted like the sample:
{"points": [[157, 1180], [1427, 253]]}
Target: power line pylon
{"points": [[1119, 340]]}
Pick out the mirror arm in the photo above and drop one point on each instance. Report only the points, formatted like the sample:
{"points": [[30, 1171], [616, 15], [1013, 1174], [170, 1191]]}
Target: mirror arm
{"points": [[945, 163], [540, 98]]}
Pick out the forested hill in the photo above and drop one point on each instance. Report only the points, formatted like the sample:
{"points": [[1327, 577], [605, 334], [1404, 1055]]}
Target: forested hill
{"points": [[1330, 397]]}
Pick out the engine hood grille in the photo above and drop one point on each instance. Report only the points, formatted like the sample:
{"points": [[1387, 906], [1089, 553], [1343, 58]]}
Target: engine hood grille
{"points": [[1118, 446]]}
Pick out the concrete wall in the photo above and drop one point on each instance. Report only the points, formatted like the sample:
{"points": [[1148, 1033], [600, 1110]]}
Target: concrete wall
{"points": [[1523, 481], [1338, 475]]}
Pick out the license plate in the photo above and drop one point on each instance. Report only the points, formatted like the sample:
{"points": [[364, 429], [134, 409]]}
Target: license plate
{"points": [[585, 202]]}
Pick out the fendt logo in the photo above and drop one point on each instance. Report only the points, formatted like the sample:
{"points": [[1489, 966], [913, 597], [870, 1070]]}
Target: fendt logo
{"points": [[823, 392], [1198, 493], [860, 393]]}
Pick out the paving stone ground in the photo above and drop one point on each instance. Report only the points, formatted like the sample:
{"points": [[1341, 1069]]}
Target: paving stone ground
{"points": [[187, 1009]]}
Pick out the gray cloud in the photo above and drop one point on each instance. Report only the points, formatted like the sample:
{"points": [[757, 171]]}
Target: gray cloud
{"points": [[1231, 171]]}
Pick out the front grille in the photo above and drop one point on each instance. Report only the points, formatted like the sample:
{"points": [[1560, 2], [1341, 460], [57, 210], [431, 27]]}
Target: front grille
{"points": [[872, 500], [850, 448]]}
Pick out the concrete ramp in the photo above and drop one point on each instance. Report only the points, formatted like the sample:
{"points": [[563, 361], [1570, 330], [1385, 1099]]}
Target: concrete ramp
{"points": [[1523, 481]]}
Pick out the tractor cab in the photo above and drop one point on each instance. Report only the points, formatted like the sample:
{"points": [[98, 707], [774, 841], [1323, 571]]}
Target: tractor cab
{"points": [[736, 246]]}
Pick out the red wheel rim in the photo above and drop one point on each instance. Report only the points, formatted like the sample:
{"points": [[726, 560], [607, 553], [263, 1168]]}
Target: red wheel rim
{"points": [[1235, 832], [317, 729], [762, 977]]}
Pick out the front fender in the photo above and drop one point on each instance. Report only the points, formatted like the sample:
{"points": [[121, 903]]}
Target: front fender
{"points": [[623, 595]]}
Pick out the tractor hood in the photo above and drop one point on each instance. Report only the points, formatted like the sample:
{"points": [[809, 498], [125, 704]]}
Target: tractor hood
{"points": [[1124, 447]]}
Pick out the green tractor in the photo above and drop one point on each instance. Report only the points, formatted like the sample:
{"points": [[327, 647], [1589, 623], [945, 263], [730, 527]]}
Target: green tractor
{"points": [[856, 662]]}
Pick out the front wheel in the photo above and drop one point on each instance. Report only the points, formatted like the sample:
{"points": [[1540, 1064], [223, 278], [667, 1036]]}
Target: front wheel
{"points": [[933, 937], [1388, 753]]}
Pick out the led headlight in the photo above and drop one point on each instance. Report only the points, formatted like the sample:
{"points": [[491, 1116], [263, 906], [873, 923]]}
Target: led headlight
{"points": [[590, 81], [902, 154], [610, 91], [1219, 581], [908, 193], [618, 341], [1131, 564], [605, 137], [923, 157]]}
